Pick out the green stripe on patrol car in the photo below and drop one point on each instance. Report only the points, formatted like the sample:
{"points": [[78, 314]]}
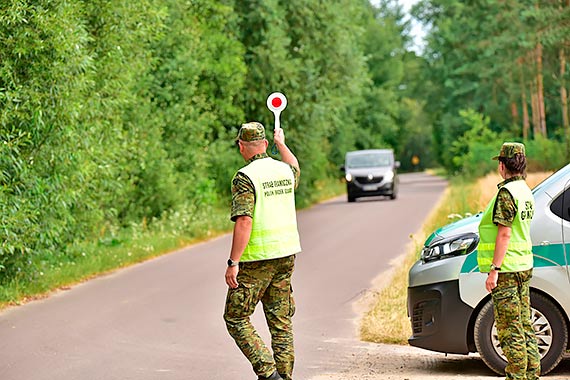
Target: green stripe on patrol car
{"points": [[544, 256]]}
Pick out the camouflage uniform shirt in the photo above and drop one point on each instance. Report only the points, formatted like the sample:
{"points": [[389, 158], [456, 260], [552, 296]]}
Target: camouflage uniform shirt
{"points": [[505, 207], [243, 191]]}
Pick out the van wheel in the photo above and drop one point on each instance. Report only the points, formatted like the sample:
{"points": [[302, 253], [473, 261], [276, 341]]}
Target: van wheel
{"points": [[351, 198], [394, 194], [549, 325]]}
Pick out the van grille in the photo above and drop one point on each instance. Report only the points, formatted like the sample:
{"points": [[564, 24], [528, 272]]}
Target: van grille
{"points": [[366, 180]]}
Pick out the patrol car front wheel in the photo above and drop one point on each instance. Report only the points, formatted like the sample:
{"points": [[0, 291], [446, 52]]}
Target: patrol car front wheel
{"points": [[549, 326]]}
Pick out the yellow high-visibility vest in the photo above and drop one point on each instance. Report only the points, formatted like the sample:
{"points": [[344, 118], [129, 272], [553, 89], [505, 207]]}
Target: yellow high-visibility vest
{"points": [[274, 232], [519, 250]]}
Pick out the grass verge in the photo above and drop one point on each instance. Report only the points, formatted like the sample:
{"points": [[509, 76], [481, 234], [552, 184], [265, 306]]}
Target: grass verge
{"points": [[386, 320], [115, 250]]}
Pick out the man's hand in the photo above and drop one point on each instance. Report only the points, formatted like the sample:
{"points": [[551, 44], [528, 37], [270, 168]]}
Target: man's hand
{"points": [[491, 282], [286, 154], [279, 137], [231, 276]]}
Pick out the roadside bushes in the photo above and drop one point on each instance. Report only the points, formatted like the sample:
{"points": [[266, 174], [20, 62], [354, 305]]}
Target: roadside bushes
{"points": [[43, 78], [545, 155], [472, 152]]}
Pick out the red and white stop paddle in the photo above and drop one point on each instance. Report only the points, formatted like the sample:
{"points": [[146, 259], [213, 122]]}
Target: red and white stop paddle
{"points": [[276, 102]]}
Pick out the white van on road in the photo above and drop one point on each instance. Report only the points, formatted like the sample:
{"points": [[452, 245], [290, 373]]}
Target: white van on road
{"points": [[371, 172]]}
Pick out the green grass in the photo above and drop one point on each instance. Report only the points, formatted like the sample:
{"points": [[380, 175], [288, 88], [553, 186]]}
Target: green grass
{"points": [[90, 259]]}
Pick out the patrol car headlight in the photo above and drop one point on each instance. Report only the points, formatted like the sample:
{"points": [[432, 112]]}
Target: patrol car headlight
{"points": [[348, 177], [449, 247]]}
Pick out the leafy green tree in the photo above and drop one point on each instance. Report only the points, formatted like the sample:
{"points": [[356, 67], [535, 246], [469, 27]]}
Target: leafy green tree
{"points": [[199, 73], [136, 177], [472, 151], [499, 58], [392, 115], [42, 72], [312, 53]]}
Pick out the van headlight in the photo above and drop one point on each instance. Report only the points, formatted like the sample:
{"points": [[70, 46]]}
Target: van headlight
{"points": [[348, 177], [452, 246], [389, 176]]}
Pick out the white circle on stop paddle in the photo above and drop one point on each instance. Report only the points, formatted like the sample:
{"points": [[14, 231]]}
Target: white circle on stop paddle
{"points": [[276, 102]]}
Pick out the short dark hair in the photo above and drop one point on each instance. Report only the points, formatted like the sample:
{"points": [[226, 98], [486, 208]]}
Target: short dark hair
{"points": [[515, 165]]}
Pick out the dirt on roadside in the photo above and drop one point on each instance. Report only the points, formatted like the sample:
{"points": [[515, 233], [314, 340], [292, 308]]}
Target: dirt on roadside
{"points": [[371, 361]]}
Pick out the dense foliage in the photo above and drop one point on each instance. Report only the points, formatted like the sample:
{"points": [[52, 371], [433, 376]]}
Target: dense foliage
{"points": [[121, 115], [505, 60], [117, 114]]}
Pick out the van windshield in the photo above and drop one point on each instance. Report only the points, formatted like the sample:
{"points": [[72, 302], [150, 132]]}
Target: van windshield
{"points": [[368, 160]]}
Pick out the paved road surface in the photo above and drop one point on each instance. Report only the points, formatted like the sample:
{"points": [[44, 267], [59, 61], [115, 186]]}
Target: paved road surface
{"points": [[163, 319]]}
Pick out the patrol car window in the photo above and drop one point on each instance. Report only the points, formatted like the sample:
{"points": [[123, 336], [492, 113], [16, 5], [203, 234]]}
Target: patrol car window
{"points": [[561, 205]]}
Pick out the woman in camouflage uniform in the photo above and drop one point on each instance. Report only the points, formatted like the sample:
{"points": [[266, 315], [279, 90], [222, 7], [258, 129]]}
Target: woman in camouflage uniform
{"points": [[505, 253]]}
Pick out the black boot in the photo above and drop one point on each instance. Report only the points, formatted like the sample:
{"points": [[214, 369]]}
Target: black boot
{"points": [[273, 376]]}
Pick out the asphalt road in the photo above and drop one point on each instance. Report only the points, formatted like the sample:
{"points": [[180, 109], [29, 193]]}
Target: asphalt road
{"points": [[162, 319]]}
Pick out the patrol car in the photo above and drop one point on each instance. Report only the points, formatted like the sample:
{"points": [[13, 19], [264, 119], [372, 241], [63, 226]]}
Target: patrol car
{"points": [[449, 308]]}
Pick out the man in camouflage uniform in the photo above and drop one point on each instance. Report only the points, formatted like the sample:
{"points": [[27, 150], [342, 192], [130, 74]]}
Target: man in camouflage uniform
{"points": [[262, 257], [505, 253]]}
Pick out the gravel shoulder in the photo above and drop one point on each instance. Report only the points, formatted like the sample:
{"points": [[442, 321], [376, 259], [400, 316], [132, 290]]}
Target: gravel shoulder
{"points": [[371, 361]]}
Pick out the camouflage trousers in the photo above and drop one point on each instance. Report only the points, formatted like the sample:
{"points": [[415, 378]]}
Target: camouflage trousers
{"points": [[268, 281], [511, 303]]}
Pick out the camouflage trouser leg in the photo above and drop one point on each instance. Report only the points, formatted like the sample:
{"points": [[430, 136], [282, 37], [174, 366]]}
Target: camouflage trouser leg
{"points": [[268, 281], [279, 307], [511, 302]]}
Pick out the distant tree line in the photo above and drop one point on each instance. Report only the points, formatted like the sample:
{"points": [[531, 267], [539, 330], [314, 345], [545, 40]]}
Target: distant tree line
{"points": [[121, 112], [496, 70]]}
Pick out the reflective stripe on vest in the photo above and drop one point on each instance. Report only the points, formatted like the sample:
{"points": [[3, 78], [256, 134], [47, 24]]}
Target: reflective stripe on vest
{"points": [[519, 250], [274, 231]]}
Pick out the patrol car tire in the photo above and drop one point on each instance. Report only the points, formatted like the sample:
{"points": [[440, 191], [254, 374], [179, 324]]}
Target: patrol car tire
{"points": [[555, 320]]}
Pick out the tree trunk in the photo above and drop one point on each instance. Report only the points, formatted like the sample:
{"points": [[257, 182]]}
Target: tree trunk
{"points": [[534, 97], [515, 113], [526, 122], [540, 91], [534, 109], [512, 100], [564, 92]]}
